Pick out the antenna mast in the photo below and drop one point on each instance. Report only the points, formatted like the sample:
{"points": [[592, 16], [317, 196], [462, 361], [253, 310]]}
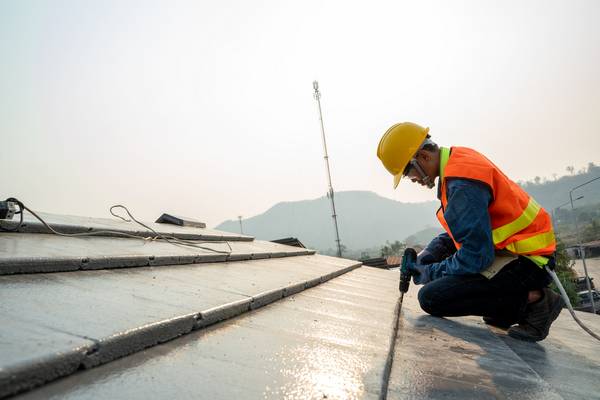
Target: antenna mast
{"points": [[317, 96], [241, 229]]}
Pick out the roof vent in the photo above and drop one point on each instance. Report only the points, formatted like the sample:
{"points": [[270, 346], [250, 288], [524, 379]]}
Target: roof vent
{"points": [[180, 221], [291, 241]]}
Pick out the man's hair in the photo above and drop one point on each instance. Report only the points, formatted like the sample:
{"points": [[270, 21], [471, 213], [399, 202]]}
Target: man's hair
{"points": [[429, 144]]}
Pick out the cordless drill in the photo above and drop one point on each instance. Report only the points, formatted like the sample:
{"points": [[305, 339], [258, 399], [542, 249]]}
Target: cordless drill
{"points": [[408, 259]]}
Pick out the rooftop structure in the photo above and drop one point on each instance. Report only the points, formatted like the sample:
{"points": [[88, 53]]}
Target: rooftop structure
{"points": [[289, 241], [112, 317]]}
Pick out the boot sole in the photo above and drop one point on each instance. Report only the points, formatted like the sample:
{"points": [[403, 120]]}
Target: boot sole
{"points": [[526, 338], [554, 313], [498, 324]]}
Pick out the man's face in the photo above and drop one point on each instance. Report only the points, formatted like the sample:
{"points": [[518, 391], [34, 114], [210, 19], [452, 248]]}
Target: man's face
{"points": [[428, 165], [415, 176]]}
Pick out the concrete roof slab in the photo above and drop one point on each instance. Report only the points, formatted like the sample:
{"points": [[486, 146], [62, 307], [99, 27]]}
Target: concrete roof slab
{"points": [[126, 310], [287, 349], [568, 359], [28, 253], [126, 298], [464, 353], [31, 354]]}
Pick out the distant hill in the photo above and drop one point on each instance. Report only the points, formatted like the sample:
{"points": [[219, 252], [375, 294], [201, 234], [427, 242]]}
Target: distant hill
{"points": [[365, 220], [553, 193], [424, 236]]}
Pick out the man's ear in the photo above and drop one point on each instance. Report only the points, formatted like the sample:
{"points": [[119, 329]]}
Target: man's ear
{"points": [[424, 155]]}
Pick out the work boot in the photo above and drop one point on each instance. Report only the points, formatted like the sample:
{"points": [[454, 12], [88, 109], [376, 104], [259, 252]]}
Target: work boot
{"points": [[498, 322], [538, 318]]}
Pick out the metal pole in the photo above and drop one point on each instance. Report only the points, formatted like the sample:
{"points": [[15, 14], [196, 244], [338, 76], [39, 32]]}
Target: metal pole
{"points": [[317, 96], [581, 250], [555, 209], [241, 229]]}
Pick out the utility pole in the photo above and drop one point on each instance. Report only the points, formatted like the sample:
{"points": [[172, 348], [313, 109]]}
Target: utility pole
{"points": [[317, 96], [555, 209], [581, 249], [241, 229]]}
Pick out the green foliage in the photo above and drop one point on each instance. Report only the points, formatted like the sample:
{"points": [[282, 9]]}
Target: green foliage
{"points": [[588, 222], [566, 274], [563, 261], [553, 193], [591, 232], [392, 249]]}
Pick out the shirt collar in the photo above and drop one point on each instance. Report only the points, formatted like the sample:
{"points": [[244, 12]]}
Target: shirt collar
{"points": [[444, 156]]}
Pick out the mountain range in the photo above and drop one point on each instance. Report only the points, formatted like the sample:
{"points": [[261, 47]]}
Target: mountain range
{"points": [[367, 220]]}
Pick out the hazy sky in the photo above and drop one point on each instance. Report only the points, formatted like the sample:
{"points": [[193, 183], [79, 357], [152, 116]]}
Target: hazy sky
{"points": [[205, 108]]}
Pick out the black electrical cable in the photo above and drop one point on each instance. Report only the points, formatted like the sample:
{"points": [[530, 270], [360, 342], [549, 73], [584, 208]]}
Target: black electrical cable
{"points": [[158, 236], [169, 239]]}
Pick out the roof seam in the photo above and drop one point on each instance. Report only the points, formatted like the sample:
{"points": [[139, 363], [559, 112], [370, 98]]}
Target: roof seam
{"points": [[387, 369], [13, 266]]}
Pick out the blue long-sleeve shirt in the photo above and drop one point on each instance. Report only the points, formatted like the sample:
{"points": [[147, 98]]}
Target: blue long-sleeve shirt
{"points": [[469, 221]]}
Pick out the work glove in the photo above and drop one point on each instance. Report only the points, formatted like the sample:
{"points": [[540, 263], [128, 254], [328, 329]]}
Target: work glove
{"points": [[421, 274], [440, 248], [427, 257]]}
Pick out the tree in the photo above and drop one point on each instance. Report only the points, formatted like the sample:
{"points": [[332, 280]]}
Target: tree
{"points": [[343, 249], [537, 180], [392, 249], [591, 232], [591, 166], [566, 274], [385, 251], [570, 169]]}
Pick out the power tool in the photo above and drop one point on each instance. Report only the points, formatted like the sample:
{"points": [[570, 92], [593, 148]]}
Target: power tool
{"points": [[408, 259]]}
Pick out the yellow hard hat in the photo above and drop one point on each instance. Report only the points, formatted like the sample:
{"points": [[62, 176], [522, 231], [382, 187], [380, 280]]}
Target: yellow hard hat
{"points": [[399, 145]]}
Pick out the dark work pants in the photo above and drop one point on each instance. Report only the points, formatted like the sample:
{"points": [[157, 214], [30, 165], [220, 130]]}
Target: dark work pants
{"points": [[503, 297]]}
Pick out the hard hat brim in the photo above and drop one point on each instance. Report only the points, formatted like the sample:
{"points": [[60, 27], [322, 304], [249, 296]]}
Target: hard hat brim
{"points": [[397, 178]]}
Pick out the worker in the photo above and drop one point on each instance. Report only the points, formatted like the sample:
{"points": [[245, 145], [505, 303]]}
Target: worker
{"points": [[490, 259]]}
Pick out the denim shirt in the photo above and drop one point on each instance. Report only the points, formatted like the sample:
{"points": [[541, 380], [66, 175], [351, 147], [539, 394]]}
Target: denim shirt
{"points": [[469, 221]]}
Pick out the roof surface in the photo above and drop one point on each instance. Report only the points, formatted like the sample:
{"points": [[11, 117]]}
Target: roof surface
{"points": [[268, 321]]}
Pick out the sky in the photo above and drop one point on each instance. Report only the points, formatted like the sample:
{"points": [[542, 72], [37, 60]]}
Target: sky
{"points": [[206, 109]]}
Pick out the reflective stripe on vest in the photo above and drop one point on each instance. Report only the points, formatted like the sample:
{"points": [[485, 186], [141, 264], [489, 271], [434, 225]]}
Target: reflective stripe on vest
{"points": [[540, 261], [531, 244], [502, 233]]}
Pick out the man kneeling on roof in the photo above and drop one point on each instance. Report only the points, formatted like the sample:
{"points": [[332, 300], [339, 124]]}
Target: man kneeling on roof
{"points": [[490, 260]]}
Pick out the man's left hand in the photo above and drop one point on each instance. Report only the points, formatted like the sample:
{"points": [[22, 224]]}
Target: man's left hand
{"points": [[421, 273]]}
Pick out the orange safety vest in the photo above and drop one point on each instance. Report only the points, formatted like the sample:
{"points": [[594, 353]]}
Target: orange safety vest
{"points": [[519, 224]]}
